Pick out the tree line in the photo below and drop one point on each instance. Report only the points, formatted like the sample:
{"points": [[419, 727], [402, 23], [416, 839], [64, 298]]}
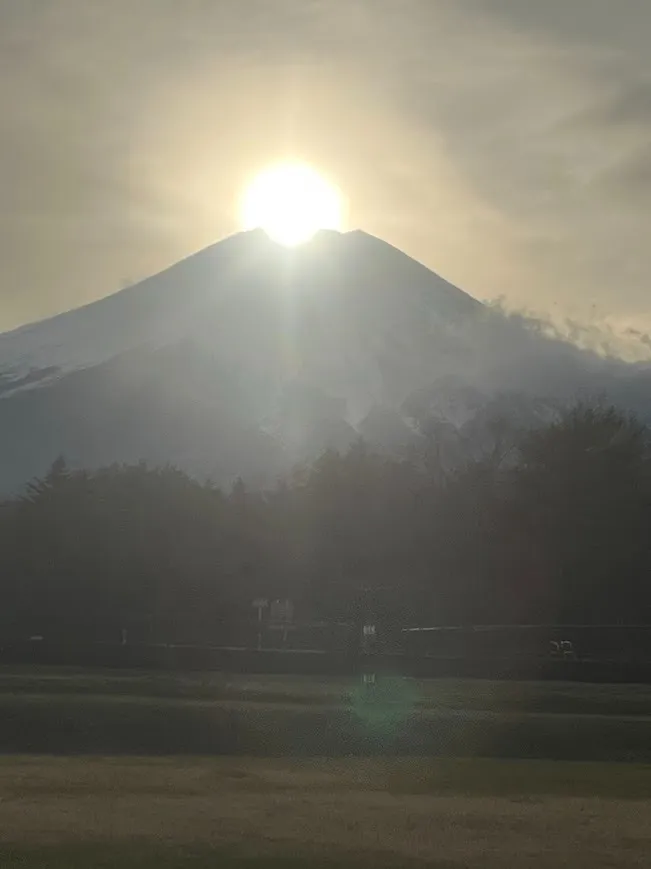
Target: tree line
{"points": [[545, 525]]}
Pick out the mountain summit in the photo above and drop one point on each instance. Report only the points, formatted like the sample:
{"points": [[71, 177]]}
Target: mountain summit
{"points": [[222, 280], [247, 357]]}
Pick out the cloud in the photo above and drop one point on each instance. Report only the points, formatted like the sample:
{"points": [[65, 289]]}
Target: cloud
{"points": [[629, 106]]}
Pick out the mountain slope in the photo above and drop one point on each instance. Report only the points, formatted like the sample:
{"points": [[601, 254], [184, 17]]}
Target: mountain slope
{"points": [[169, 305], [246, 358]]}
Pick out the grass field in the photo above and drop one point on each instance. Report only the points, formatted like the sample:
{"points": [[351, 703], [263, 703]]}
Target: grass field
{"points": [[68, 711], [317, 772], [263, 813], [459, 694]]}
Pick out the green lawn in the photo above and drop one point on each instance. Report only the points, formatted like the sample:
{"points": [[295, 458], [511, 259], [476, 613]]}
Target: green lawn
{"points": [[459, 694], [266, 813], [78, 712]]}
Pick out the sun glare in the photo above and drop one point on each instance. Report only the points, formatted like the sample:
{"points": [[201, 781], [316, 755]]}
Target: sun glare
{"points": [[291, 202]]}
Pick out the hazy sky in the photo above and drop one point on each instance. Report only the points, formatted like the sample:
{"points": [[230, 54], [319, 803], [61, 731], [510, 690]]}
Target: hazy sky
{"points": [[505, 143]]}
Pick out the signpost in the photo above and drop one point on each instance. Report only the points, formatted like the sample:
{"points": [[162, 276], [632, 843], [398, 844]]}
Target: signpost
{"points": [[281, 616], [261, 604], [369, 637]]}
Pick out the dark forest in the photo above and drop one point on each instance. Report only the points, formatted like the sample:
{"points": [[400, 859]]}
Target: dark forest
{"points": [[546, 526]]}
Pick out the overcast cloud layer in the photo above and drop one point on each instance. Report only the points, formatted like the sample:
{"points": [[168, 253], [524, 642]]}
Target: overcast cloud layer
{"points": [[505, 143]]}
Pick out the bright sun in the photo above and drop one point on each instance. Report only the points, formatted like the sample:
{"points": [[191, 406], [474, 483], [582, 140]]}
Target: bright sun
{"points": [[291, 202]]}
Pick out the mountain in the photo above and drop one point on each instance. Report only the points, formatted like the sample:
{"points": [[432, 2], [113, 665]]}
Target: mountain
{"points": [[247, 357]]}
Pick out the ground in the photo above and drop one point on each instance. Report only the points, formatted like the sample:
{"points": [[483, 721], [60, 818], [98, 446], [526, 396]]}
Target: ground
{"points": [[381, 798], [448, 814]]}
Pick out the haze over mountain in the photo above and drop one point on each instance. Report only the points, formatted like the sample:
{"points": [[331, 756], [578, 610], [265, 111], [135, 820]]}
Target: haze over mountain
{"points": [[247, 358]]}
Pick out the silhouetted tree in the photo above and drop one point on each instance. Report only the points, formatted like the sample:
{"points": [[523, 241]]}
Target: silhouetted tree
{"points": [[581, 496]]}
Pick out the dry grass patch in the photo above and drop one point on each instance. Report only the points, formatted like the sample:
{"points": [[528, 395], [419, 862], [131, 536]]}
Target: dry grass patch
{"points": [[356, 813]]}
